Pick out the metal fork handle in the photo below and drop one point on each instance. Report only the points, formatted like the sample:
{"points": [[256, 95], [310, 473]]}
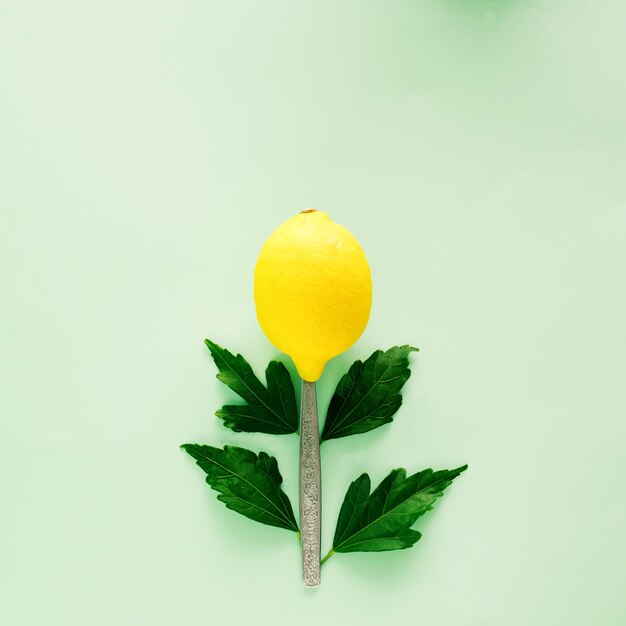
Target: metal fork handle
{"points": [[310, 487]]}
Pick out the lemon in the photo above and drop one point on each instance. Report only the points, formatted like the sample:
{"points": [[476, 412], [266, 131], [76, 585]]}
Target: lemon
{"points": [[313, 290]]}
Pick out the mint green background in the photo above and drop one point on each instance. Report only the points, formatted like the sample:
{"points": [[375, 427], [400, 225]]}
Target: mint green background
{"points": [[476, 149]]}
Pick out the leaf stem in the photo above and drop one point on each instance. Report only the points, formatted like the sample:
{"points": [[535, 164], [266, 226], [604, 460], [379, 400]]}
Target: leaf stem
{"points": [[330, 553]]}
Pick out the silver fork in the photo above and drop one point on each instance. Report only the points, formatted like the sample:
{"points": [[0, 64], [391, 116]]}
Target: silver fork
{"points": [[310, 487]]}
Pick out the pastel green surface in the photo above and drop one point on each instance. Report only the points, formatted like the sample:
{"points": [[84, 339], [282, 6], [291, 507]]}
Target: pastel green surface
{"points": [[475, 149]]}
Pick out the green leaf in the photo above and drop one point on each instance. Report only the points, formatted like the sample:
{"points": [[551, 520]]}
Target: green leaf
{"points": [[382, 520], [270, 409], [368, 396], [248, 484]]}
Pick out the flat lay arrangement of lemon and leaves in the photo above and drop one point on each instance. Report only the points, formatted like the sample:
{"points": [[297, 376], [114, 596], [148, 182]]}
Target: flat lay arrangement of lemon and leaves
{"points": [[313, 298]]}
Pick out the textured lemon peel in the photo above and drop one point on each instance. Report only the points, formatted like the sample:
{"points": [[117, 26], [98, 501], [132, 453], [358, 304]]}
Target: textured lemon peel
{"points": [[313, 290]]}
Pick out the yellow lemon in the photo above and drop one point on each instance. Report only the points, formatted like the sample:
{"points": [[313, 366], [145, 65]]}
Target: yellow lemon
{"points": [[313, 290]]}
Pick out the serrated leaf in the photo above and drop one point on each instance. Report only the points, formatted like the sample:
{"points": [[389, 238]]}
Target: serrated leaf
{"points": [[368, 395], [248, 484], [382, 520], [270, 409]]}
